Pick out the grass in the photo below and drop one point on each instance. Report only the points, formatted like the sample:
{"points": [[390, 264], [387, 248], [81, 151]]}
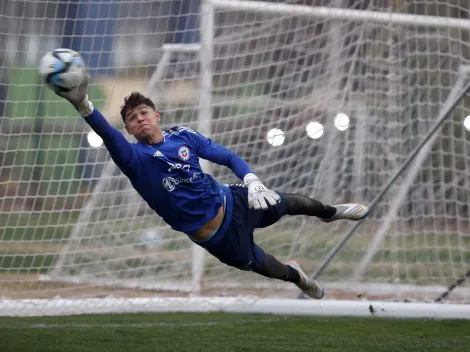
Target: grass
{"points": [[230, 332]]}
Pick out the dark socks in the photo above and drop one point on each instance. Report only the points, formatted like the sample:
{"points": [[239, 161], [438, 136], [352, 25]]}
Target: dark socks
{"points": [[276, 270], [301, 205], [293, 275]]}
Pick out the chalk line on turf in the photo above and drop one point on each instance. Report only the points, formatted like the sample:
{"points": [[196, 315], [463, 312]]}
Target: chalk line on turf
{"points": [[146, 325]]}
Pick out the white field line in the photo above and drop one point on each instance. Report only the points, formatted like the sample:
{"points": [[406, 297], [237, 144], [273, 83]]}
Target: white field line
{"points": [[144, 325]]}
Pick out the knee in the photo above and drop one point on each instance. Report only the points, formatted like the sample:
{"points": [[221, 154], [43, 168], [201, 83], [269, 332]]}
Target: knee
{"points": [[238, 263]]}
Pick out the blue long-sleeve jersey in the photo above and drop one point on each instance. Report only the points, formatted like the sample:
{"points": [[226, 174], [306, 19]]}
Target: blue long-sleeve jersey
{"points": [[167, 175]]}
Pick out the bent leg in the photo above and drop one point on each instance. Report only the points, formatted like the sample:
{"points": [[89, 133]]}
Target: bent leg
{"points": [[291, 272], [238, 250], [274, 269]]}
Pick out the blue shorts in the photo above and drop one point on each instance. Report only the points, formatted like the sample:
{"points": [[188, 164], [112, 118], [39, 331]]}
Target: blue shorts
{"points": [[233, 242]]}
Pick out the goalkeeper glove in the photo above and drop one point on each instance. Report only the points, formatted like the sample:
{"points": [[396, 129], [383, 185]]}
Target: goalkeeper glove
{"points": [[79, 98], [258, 195]]}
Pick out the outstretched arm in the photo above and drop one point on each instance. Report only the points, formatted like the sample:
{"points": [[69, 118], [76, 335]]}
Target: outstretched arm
{"points": [[119, 148], [258, 195]]}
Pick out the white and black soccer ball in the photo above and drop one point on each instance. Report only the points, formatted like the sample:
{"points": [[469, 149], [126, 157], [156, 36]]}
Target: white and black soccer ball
{"points": [[62, 69]]}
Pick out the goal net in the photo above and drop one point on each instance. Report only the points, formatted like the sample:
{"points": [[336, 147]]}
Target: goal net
{"points": [[322, 98]]}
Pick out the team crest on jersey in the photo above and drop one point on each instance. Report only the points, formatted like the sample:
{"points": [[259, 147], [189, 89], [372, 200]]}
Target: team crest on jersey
{"points": [[183, 152]]}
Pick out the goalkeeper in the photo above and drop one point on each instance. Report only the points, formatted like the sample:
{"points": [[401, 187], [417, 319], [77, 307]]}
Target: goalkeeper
{"points": [[163, 167]]}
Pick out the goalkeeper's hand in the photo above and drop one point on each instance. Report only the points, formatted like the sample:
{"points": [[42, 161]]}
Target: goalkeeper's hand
{"points": [[79, 97], [259, 197]]}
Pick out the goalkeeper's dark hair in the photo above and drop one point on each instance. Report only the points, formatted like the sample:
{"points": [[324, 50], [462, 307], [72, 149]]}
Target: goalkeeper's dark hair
{"points": [[133, 100]]}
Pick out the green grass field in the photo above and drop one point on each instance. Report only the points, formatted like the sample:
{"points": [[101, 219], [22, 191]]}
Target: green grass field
{"points": [[230, 332]]}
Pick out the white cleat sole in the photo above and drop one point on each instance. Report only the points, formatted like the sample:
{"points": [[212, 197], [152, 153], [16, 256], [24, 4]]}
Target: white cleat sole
{"points": [[354, 212], [308, 286]]}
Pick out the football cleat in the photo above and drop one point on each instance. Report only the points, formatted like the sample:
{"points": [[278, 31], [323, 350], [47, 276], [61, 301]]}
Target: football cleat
{"points": [[352, 211], [308, 286]]}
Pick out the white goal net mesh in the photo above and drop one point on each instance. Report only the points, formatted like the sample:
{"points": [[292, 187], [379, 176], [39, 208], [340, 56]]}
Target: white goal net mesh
{"points": [[324, 106]]}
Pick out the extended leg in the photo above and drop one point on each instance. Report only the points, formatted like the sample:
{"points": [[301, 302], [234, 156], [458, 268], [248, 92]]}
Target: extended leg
{"points": [[301, 205], [297, 204]]}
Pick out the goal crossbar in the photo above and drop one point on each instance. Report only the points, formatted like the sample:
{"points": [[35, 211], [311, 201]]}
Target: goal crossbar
{"points": [[339, 14]]}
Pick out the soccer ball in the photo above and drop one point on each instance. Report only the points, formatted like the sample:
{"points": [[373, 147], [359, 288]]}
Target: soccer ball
{"points": [[62, 69]]}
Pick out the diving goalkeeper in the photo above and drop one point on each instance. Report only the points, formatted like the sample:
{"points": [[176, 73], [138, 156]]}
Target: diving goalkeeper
{"points": [[163, 167]]}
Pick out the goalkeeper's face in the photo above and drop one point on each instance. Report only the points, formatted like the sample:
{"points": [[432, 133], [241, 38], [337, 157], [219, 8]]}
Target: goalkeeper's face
{"points": [[142, 122]]}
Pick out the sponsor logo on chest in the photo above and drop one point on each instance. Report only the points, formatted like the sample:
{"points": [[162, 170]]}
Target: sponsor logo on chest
{"points": [[170, 183]]}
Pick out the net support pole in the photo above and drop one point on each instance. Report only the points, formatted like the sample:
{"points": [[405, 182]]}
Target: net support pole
{"points": [[456, 95], [155, 82], [204, 119]]}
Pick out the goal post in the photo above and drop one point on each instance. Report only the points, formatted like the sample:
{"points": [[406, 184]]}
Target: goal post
{"points": [[326, 101]]}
